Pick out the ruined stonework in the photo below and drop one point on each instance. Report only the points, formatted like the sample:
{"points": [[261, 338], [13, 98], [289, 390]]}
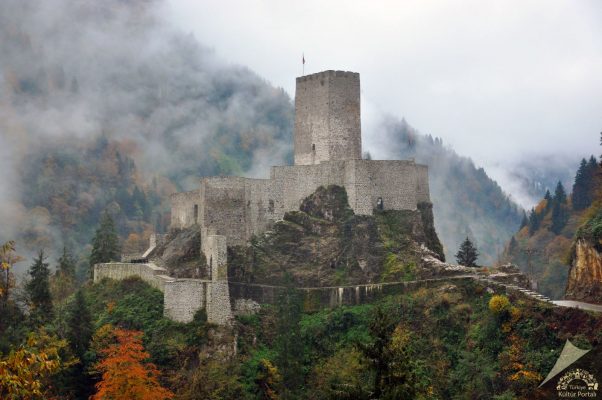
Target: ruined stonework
{"points": [[182, 298], [327, 152]]}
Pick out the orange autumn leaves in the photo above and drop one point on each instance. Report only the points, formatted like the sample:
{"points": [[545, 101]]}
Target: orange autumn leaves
{"points": [[126, 374]]}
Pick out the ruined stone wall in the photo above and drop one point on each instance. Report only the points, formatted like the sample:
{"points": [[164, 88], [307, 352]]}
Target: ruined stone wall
{"points": [[215, 251], [153, 275], [299, 181], [183, 209], [400, 184], [327, 117], [237, 207], [395, 182], [183, 298], [222, 210], [219, 308]]}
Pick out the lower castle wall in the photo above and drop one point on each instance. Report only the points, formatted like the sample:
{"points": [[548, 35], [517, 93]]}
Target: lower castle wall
{"points": [[183, 298], [151, 274], [315, 299], [219, 309], [237, 207]]}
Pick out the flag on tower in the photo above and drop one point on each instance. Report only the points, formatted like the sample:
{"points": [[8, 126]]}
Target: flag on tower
{"points": [[303, 59]]}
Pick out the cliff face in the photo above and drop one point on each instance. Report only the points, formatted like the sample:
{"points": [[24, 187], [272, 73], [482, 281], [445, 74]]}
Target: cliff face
{"points": [[585, 276]]}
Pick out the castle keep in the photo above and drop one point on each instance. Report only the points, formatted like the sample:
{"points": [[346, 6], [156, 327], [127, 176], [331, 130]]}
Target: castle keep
{"points": [[327, 151]]}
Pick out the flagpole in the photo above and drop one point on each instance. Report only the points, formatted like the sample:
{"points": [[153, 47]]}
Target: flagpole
{"points": [[303, 62]]}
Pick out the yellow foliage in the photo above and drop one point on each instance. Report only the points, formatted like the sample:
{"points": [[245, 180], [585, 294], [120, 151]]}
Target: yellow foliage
{"points": [[498, 304], [25, 373]]}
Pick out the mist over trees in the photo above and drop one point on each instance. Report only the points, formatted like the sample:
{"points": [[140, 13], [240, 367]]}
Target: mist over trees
{"points": [[106, 106]]}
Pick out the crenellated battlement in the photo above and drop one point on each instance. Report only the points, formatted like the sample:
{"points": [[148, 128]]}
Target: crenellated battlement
{"points": [[328, 73]]}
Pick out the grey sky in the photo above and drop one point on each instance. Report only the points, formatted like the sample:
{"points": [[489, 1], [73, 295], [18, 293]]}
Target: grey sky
{"points": [[496, 79]]}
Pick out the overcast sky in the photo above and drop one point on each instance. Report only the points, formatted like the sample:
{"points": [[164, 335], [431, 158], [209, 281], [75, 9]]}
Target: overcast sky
{"points": [[496, 79]]}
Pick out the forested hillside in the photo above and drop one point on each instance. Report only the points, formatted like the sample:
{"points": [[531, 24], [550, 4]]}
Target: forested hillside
{"points": [[467, 202], [545, 240], [115, 112]]}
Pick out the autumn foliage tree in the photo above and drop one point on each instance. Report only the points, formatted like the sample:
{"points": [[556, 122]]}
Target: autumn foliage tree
{"points": [[25, 373], [126, 374]]}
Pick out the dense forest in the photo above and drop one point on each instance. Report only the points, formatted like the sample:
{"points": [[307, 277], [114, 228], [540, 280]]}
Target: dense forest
{"points": [[482, 345]]}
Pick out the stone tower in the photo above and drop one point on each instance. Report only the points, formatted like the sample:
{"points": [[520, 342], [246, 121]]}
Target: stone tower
{"points": [[327, 117]]}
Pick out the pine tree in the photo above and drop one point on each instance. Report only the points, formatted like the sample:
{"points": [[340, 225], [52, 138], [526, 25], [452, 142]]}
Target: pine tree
{"points": [[534, 221], [512, 245], [38, 290], [580, 187], [548, 199], [79, 333], [525, 221], [105, 245], [560, 194], [66, 267], [560, 217], [467, 254], [79, 325]]}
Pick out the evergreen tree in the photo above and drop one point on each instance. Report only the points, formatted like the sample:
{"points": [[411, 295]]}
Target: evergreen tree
{"points": [[79, 333], [560, 217], [79, 325], [525, 221], [467, 254], [534, 221], [38, 290], [560, 194], [66, 267], [548, 199], [105, 245], [581, 187], [512, 245]]}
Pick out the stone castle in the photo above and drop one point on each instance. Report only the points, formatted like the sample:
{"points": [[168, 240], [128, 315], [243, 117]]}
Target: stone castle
{"points": [[327, 151], [230, 210]]}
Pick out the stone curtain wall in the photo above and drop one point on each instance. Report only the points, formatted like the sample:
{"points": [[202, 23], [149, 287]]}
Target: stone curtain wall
{"points": [[153, 275], [237, 207], [182, 209], [183, 298], [327, 117]]}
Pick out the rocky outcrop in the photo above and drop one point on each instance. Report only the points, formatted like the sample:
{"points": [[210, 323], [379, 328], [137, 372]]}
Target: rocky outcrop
{"points": [[585, 276], [180, 253], [326, 244]]}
